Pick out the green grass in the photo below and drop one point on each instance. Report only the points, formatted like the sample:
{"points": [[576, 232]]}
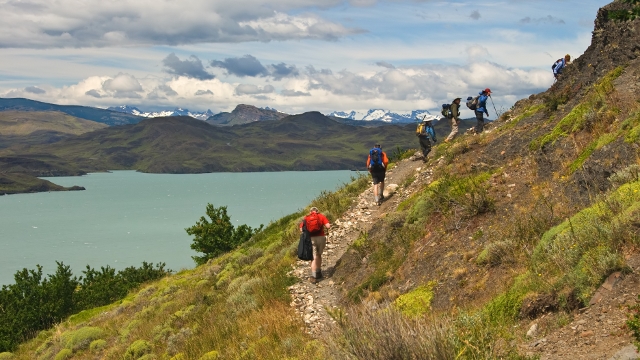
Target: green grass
{"points": [[576, 119]]}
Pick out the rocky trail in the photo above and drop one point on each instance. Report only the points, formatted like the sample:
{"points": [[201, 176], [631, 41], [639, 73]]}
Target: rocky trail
{"points": [[311, 301], [595, 332]]}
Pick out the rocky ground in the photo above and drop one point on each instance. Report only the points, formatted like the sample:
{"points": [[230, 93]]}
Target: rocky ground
{"points": [[311, 301], [595, 332]]}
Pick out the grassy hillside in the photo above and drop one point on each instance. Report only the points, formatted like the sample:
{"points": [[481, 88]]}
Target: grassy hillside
{"points": [[308, 141], [25, 123], [107, 117], [517, 225]]}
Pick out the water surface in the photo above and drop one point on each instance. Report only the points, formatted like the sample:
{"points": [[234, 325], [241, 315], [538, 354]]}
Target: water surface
{"points": [[126, 217]]}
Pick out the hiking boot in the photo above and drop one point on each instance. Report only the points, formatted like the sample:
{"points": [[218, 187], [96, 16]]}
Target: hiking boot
{"points": [[381, 198], [312, 280]]}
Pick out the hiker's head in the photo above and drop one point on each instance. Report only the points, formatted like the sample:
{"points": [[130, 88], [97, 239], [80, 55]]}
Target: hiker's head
{"points": [[378, 146], [457, 100], [314, 210], [567, 58], [487, 91]]}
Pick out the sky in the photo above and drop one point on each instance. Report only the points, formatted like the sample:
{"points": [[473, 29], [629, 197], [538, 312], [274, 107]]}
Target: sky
{"points": [[291, 55]]}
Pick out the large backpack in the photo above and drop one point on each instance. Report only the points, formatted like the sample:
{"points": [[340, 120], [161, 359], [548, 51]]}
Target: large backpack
{"points": [[472, 102], [375, 161], [305, 247], [313, 222], [446, 111], [421, 130], [555, 64]]}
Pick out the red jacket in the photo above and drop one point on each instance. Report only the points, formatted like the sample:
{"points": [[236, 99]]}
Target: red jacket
{"points": [[323, 221]]}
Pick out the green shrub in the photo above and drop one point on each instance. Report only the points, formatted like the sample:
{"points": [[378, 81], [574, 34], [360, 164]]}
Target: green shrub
{"points": [[81, 338], [211, 355], [218, 236], [633, 322], [6, 356], [581, 251], [417, 302], [64, 354], [137, 349], [97, 345], [496, 253]]}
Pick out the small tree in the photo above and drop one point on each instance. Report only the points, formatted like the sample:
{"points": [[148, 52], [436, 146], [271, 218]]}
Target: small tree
{"points": [[218, 236]]}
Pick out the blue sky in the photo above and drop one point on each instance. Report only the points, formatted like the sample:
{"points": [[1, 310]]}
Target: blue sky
{"points": [[293, 55]]}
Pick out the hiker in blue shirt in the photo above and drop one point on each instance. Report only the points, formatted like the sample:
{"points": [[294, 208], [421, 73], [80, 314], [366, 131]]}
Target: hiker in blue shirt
{"points": [[424, 132], [482, 109], [559, 65]]}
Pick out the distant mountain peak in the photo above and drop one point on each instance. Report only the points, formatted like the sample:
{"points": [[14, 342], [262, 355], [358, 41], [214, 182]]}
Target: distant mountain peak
{"points": [[152, 114], [381, 115]]}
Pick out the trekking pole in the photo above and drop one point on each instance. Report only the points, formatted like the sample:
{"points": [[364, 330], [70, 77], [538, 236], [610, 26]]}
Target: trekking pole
{"points": [[494, 106]]}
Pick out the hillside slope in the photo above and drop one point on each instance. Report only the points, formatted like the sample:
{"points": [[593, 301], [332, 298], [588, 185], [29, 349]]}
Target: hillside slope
{"points": [[308, 141], [83, 112], [534, 222]]}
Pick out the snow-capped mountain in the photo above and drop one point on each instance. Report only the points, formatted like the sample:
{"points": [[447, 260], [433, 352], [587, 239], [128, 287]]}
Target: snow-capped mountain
{"points": [[381, 115], [175, 112]]}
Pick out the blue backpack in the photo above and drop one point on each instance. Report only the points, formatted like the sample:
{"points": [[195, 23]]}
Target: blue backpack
{"points": [[375, 155]]}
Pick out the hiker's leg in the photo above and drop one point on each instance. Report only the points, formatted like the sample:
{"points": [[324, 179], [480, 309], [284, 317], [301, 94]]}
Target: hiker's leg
{"points": [[319, 243], [425, 146], [454, 130], [479, 122]]}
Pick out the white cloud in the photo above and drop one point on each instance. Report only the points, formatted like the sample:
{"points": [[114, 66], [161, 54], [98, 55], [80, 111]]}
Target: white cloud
{"points": [[95, 23]]}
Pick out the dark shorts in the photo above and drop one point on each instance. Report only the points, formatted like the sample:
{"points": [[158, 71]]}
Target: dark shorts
{"points": [[377, 176]]}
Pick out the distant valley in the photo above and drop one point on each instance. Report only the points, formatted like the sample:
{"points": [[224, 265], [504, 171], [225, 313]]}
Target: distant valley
{"points": [[51, 142]]}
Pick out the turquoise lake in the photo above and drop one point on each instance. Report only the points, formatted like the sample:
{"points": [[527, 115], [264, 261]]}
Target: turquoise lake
{"points": [[126, 217]]}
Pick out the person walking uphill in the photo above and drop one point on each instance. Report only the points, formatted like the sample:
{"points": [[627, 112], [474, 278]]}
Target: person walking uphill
{"points": [[482, 109], [377, 165], [315, 223], [424, 131], [455, 119], [559, 65]]}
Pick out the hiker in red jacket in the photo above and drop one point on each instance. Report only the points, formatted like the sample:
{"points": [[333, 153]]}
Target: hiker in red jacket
{"points": [[316, 223]]}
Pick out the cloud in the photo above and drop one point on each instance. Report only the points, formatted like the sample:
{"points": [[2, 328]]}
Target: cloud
{"points": [[543, 20], [34, 90], [475, 15], [69, 23], [191, 67], [293, 93], [250, 89], [242, 66], [282, 70], [123, 86], [161, 92], [94, 93], [476, 52], [385, 64], [203, 92]]}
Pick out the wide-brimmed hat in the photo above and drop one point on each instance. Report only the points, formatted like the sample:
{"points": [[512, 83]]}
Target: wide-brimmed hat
{"points": [[458, 98], [314, 209]]}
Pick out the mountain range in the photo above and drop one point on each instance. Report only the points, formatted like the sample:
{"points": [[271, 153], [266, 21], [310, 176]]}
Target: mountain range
{"points": [[243, 114], [381, 115], [204, 115]]}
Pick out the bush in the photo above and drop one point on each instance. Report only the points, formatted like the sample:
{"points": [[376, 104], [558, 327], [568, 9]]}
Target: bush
{"points": [[6, 356], [416, 302], [64, 354], [137, 349], [82, 338], [211, 355], [97, 345], [218, 236]]}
